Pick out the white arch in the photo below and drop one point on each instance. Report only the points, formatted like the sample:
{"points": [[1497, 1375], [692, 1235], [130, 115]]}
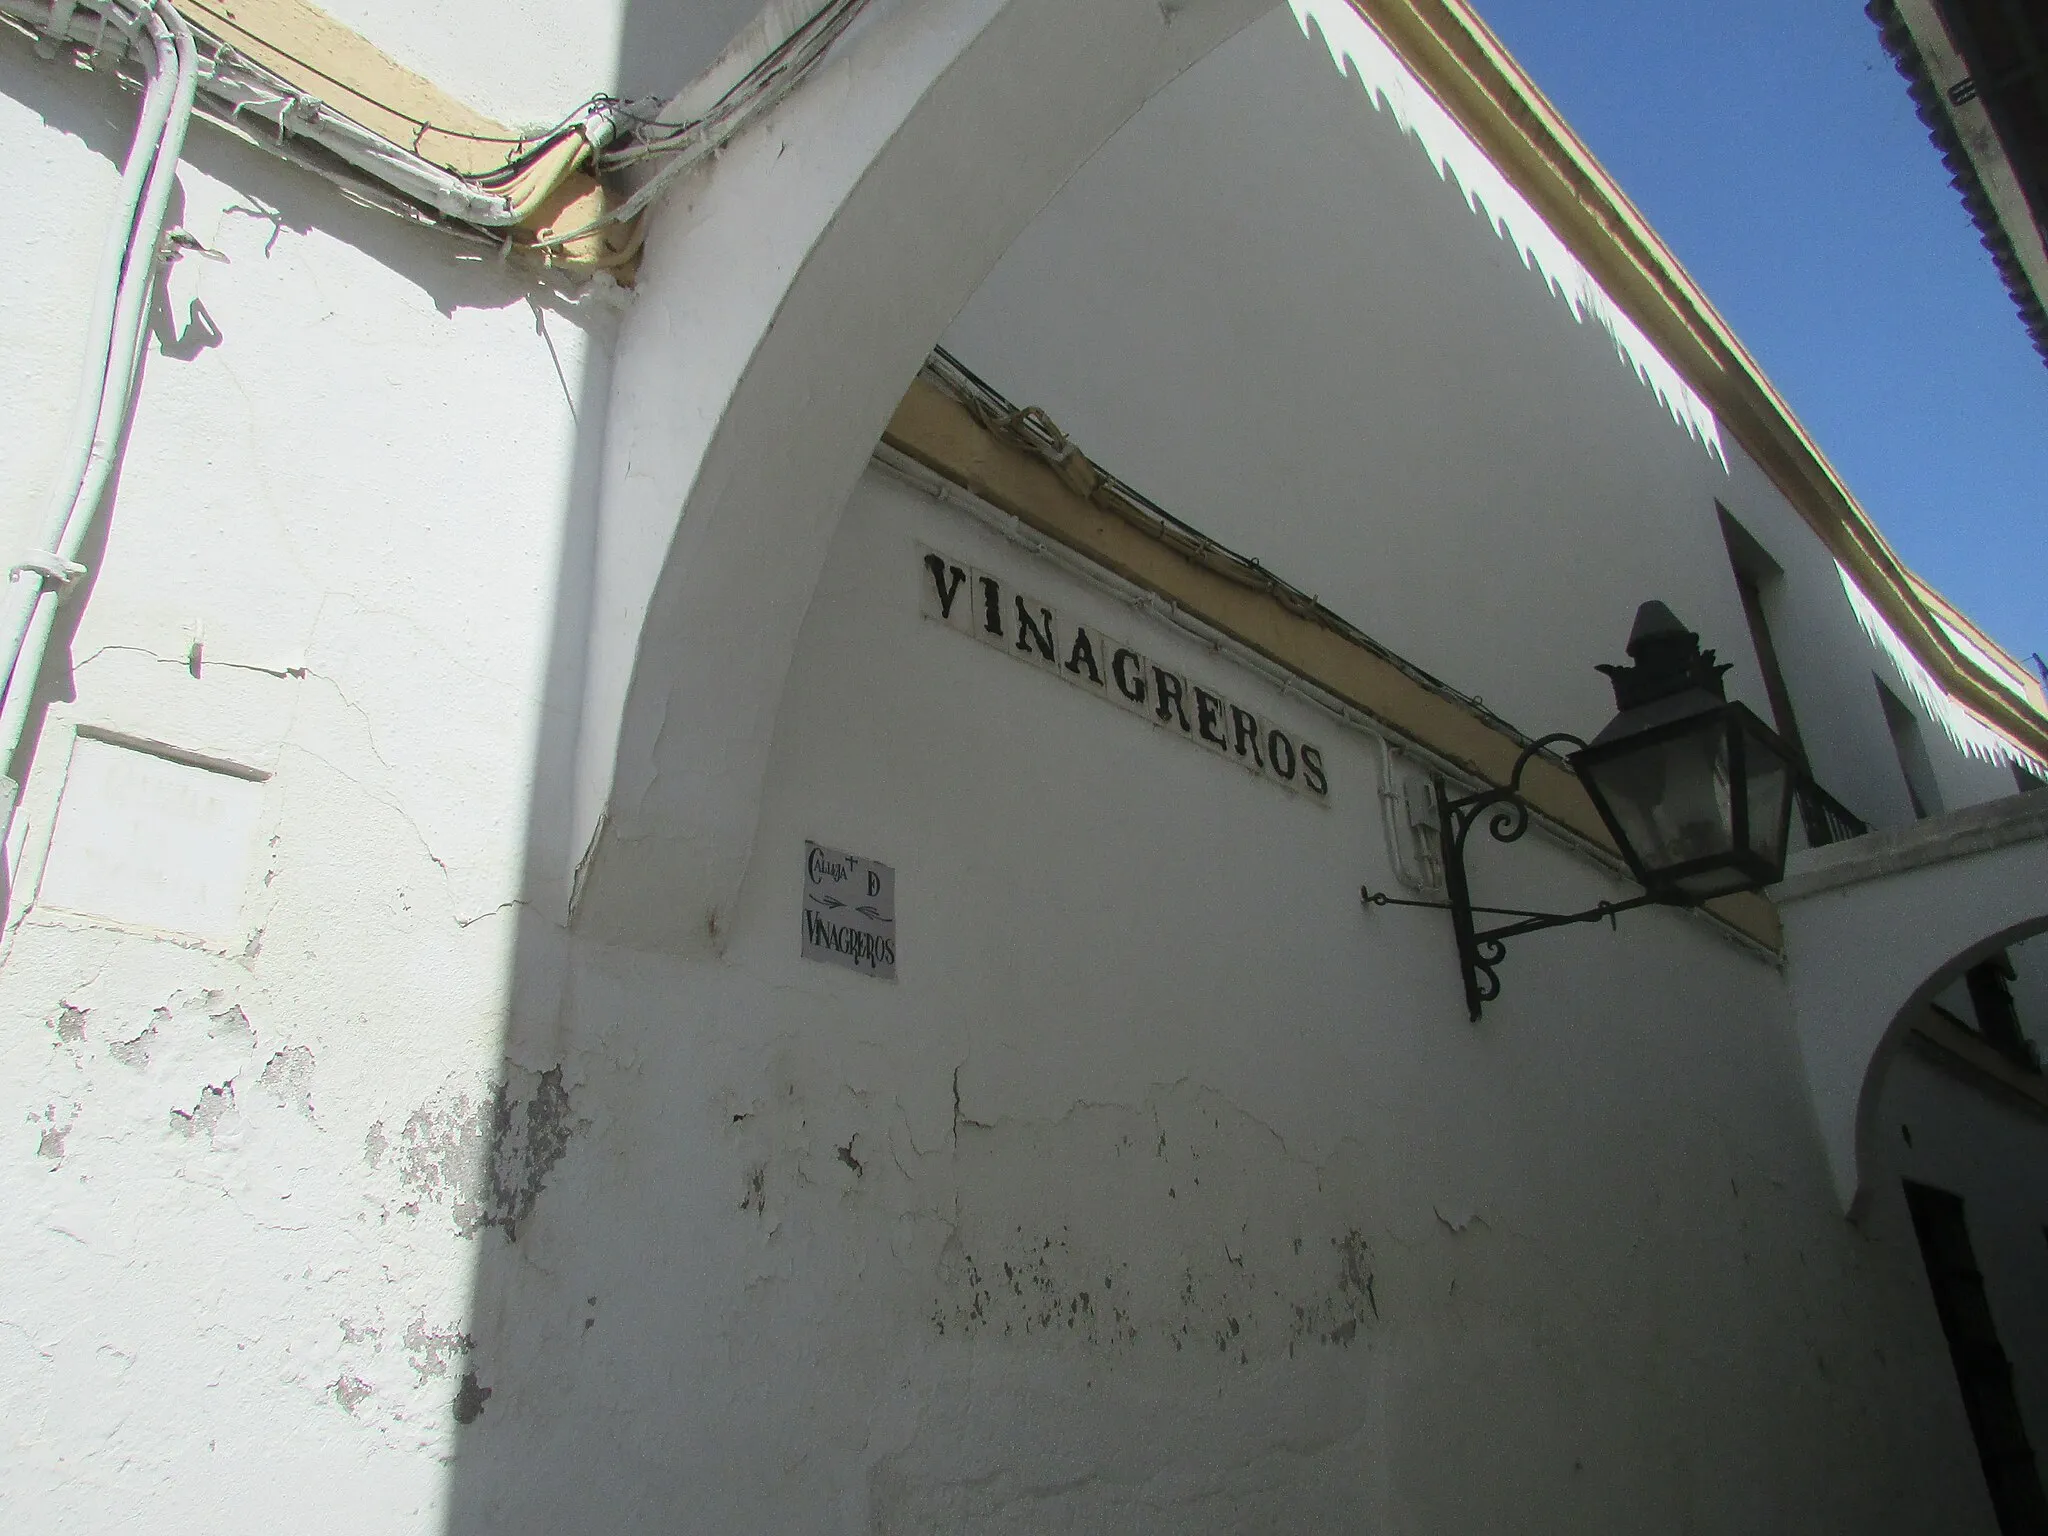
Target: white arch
{"points": [[1875, 927], [786, 300]]}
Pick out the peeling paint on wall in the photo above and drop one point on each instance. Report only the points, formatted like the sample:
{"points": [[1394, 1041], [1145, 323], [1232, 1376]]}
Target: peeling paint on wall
{"points": [[214, 1106], [1174, 1226], [485, 1154], [432, 1351], [69, 1023], [350, 1390], [50, 1143], [289, 1077], [200, 1253], [134, 1052]]}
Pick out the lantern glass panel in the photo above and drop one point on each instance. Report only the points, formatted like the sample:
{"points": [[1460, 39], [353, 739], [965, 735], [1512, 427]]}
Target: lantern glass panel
{"points": [[1670, 796], [1768, 781]]}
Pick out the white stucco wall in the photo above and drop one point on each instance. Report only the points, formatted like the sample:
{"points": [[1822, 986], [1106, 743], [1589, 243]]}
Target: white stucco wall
{"points": [[1397, 413], [1185, 1198], [224, 1286], [1165, 1190], [1942, 1129], [532, 62], [2030, 989]]}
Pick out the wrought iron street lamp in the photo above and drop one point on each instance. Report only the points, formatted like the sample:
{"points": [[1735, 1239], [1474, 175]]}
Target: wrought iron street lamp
{"points": [[1696, 790]]}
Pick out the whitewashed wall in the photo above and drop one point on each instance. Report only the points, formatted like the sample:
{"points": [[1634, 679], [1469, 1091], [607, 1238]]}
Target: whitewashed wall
{"points": [[1403, 417], [1394, 409], [1992, 1150], [530, 63], [2030, 989], [243, 1164], [1165, 1190]]}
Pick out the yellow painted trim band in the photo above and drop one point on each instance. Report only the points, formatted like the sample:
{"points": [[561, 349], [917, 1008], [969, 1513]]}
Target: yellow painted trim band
{"points": [[352, 75], [943, 435], [549, 192]]}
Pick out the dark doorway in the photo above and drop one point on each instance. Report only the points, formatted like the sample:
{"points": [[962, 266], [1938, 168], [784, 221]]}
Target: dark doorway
{"points": [[1982, 1371]]}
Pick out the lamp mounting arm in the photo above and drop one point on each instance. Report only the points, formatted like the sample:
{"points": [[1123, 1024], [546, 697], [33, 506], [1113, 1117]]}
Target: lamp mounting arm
{"points": [[1695, 790], [1480, 951]]}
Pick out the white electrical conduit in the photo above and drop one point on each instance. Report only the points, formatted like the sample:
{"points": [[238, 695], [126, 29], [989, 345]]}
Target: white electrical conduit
{"points": [[135, 246], [120, 313]]}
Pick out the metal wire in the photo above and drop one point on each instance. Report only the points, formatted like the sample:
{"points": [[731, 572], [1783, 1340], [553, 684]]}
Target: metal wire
{"points": [[1031, 429], [616, 134]]}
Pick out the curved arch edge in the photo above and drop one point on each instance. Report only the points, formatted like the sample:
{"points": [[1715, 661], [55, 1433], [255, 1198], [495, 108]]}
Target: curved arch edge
{"points": [[1876, 929], [785, 301]]}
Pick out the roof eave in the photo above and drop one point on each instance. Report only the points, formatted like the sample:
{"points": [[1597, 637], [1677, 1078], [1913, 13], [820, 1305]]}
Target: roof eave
{"points": [[1472, 75]]}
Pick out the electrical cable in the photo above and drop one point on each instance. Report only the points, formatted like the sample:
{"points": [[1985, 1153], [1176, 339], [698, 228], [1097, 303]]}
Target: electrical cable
{"points": [[499, 205], [1031, 429], [423, 125], [172, 76], [493, 201], [36, 585], [824, 24], [759, 89], [155, 112]]}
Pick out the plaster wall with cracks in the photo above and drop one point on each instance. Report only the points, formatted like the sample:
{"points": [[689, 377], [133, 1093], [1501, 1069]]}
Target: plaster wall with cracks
{"points": [[199, 1115], [330, 566], [1158, 1194], [1154, 1304], [1094, 1217]]}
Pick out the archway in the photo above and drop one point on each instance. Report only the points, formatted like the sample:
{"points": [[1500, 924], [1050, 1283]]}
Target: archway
{"points": [[784, 303], [1876, 927]]}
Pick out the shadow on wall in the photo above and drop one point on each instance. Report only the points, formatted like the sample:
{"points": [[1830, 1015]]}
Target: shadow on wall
{"points": [[1870, 1130], [636, 1315], [99, 113], [664, 44], [1359, 51]]}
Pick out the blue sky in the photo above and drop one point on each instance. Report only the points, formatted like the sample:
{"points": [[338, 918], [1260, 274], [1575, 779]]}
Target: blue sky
{"points": [[1773, 146]]}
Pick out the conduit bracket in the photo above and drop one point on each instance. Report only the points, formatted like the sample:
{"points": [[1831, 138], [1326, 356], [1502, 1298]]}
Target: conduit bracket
{"points": [[54, 569], [182, 242]]}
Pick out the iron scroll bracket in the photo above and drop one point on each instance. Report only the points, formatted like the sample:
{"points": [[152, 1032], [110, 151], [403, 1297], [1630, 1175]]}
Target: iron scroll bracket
{"points": [[1481, 950]]}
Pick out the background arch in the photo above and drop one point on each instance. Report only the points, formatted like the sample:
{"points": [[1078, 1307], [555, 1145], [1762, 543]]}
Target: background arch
{"points": [[1876, 926]]}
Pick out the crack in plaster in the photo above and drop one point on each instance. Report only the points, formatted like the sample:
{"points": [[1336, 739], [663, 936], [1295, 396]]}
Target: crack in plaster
{"points": [[185, 664], [391, 803], [429, 638], [503, 906]]}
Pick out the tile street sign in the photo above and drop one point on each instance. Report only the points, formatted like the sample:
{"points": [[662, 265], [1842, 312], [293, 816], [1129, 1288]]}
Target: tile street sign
{"points": [[849, 915]]}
